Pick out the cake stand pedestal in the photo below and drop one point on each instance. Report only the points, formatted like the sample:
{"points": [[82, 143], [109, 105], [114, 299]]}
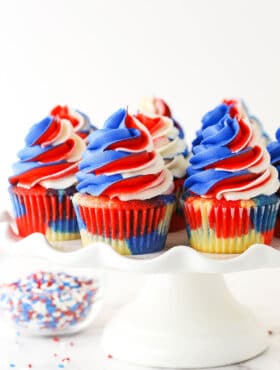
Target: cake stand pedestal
{"points": [[185, 317], [184, 321]]}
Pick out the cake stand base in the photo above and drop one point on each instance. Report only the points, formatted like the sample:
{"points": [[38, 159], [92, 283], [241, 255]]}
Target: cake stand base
{"points": [[184, 320]]}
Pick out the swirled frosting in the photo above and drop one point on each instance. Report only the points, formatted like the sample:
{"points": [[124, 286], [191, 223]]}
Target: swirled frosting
{"points": [[213, 117], [120, 162], [229, 159], [245, 112], [234, 108], [274, 151], [50, 157], [159, 107], [153, 105], [79, 120], [167, 142]]}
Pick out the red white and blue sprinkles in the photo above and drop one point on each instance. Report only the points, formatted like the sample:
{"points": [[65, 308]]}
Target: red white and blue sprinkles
{"points": [[48, 300]]}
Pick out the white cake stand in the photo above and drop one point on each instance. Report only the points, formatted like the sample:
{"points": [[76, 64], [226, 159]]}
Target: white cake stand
{"points": [[185, 317]]}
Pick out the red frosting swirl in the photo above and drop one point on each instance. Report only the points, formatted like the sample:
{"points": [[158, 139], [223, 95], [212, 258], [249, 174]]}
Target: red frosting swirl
{"points": [[50, 157]]}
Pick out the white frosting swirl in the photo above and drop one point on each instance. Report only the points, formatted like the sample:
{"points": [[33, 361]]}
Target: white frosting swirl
{"points": [[168, 143], [66, 133]]}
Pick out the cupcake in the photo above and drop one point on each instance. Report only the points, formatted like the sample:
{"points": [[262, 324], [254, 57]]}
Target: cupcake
{"points": [[274, 151], [173, 150], [230, 199], [125, 194], [44, 180], [79, 120]]}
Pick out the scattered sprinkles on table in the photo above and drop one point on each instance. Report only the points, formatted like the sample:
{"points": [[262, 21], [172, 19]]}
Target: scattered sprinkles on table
{"points": [[47, 300]]}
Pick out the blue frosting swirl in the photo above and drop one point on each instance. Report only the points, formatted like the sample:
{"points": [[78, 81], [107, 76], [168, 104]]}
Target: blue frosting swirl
{"points": [[51, 153], [274, 151], [116, 158], [211, 118], [228, 160]]}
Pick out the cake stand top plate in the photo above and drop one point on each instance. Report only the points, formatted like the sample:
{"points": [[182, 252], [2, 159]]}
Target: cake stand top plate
{"points": [[177, 258]]}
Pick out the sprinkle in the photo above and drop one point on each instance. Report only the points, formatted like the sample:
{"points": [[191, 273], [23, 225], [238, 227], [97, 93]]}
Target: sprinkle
{"points": [[55, 354], [56, 339], [110, 356], [270, 332], [30, 366], [48, 300], [12, 365], [61, 366], [66, 359], [72, 344]]}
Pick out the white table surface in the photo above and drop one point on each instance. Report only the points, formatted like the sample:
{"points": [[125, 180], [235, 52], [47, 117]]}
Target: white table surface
{"points": [[84, 349]]}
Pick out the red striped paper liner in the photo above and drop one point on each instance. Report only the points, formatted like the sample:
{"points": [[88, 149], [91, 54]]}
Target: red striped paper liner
{"points": [[178, 220], [42, 207], [227, 227], [114, 221]]}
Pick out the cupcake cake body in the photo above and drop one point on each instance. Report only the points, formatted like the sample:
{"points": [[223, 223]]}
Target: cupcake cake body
{"points": [[230, 192], [44, 180], [274, 151], [174, 151], [124, 192]]}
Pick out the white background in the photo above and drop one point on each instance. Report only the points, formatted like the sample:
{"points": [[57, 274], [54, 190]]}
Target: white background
{"points": [[100, 55]]}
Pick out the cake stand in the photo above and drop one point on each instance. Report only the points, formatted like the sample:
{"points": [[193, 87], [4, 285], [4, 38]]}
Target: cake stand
{"points": [[185, 317]]}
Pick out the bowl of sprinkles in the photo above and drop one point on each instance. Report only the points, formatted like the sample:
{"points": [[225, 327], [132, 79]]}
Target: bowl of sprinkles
{"points": [[48, 303]]}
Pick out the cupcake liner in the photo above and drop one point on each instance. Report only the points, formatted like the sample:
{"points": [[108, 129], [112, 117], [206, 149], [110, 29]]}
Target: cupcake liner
{"points": [[178, 220], [277, 223], [215, 226], [46, 211], [277, 226], [130, 227]]}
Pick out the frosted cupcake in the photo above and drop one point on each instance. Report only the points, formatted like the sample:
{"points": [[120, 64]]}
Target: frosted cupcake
{"points": [[79, 120], [44, 180], [274, 151], [173, 150], [230, 202], [125, 193]]}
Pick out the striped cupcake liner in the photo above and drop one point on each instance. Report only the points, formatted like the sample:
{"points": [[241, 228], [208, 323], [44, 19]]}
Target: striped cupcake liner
{"points": [[214, 228], [132, 227], [48, 212], [277, 227], [277, 223], [178, 220]]}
